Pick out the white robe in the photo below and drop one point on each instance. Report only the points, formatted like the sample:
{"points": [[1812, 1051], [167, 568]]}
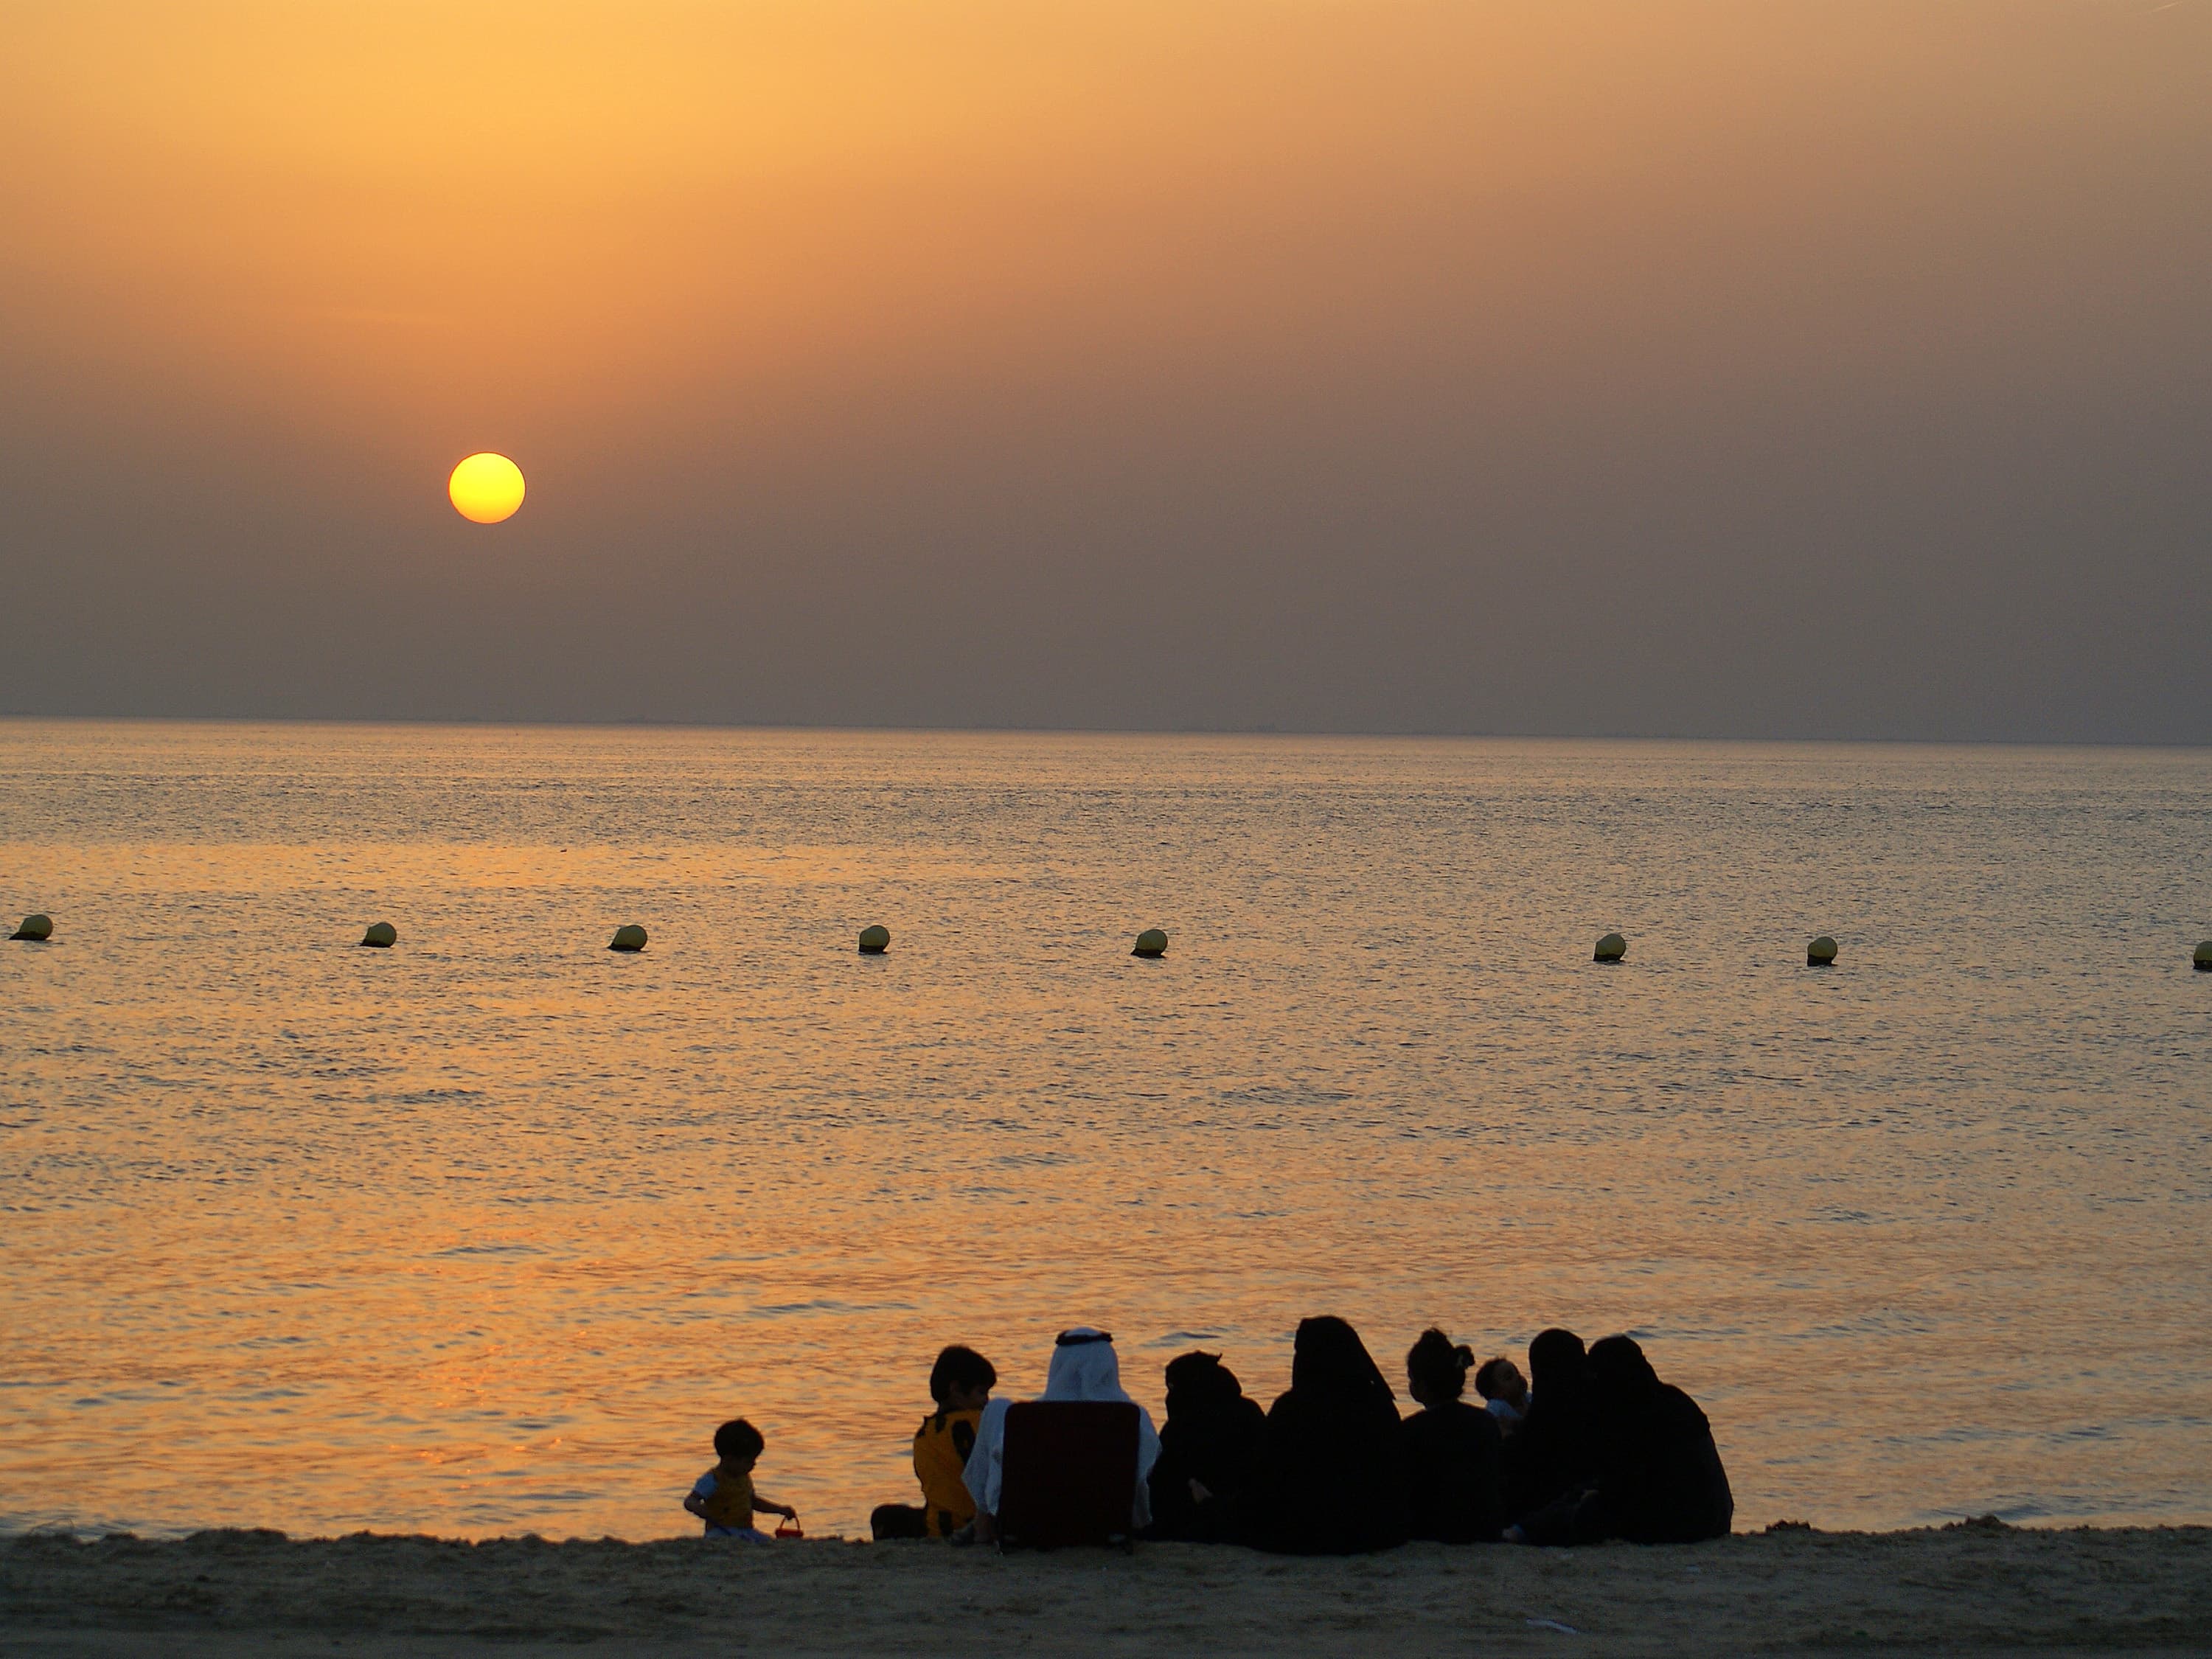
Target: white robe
{"points": [[1086, 1370]]}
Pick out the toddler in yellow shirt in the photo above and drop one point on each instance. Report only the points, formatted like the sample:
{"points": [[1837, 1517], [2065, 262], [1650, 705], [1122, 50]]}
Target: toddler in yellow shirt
{"points": [[724, 1497]]}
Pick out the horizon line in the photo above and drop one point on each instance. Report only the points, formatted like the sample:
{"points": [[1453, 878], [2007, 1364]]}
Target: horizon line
{"points": [[1401, 735]]}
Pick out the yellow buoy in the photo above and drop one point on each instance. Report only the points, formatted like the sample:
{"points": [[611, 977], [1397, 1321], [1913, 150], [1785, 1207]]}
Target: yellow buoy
{"points": [[381, 934], [1151, 943], [2203, 957], [627, 937], [875, 940], [36, 925], [1611, 948], [1821, 952]]}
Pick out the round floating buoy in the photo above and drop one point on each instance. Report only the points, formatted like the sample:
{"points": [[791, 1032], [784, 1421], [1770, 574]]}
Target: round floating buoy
{"points": [[875, 940], [2202, 959], [1611, 948], [36, 925], [1820, 953], [381, 934], [1151, 943], [627, 937]]}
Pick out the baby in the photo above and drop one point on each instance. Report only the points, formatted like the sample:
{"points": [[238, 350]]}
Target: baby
{"points": [[724, 1497], [1503, 1390]]}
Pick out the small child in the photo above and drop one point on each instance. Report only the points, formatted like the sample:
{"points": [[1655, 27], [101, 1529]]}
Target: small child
{"points": [[961, 1383], [1503, 1390], [724, 1497]]}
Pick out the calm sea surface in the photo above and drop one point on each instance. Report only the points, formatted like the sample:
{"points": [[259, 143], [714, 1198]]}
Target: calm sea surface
{"points": [[483, 1234]]}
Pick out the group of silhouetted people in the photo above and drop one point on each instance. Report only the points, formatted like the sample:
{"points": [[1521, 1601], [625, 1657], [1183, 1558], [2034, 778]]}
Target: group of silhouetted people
{"points": [[1591, 1446]]}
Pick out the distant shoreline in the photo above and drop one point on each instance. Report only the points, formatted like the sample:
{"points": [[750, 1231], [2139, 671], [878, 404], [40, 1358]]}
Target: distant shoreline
{"points": [[1977, 1587], [1288, 733]]}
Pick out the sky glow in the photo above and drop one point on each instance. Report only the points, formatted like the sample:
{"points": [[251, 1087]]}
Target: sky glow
{"points": [[1358, 366]]}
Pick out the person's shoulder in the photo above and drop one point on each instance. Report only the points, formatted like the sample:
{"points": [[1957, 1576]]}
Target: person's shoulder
{"points": [[956, 1426], [1679, 1404], [1478, 1422], [1454, 1417], [705, 1485], [960, 1430]]}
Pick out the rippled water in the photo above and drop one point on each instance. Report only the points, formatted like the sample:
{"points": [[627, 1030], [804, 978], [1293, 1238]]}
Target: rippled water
{"points": [[484, 1233]]}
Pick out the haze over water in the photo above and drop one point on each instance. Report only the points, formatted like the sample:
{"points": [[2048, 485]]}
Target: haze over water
{"points": [[484, 1233]]}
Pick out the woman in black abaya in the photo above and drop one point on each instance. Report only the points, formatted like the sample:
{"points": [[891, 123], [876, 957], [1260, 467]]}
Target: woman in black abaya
{"points": [[1660, 1479], [1550, 1455], [1209, 1449], [1332, 1476], [1453, 1490]]}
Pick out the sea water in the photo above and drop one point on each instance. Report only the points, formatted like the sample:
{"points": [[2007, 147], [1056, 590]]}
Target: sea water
{"points": [[485, 1233]]}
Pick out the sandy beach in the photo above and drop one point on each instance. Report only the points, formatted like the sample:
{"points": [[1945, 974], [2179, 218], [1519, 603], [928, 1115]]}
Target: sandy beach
{"points": [[1977, 1588]]}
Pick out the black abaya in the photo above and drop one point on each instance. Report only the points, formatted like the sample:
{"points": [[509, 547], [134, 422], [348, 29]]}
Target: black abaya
{"points": [[1332, 1474], [1213, 1435], [1454, 1477], [1549, 1455]]}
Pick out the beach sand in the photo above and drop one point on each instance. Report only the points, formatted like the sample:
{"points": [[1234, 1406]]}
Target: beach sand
{"points": [[1978, 1587]]}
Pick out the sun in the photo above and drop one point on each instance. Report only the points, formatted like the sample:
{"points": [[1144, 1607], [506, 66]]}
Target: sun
{"points": [[486, 488]]}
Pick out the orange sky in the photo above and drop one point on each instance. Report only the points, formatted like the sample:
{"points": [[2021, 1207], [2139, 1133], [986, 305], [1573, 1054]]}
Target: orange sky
{"points": [[809, 283]]}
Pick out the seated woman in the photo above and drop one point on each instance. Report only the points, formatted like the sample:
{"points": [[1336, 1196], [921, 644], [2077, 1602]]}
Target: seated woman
{"points": [[1658, 1478], [1455, 1474], [1084, 1367], [1209, 1451], [1332, 1473], [1549, 1454]]}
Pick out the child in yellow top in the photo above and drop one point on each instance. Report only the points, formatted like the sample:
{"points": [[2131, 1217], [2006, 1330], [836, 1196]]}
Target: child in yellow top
{"points": [[724, 1497], [961, 1383]]}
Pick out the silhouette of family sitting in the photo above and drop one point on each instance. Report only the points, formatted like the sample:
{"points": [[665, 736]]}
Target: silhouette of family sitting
{"points": [[1591, 1446]]}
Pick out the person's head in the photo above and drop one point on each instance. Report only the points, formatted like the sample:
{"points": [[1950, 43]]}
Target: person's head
{"points": [[1501, 1379], [1083, 1366], [738, 1445], [961, 1380], [1619, 1372], [1199, 1382], [1436, 1371], [1331, 1366], [1556, 1362]]}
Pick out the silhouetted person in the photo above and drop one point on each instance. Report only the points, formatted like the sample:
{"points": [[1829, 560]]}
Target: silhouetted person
{"points": [[1331, 1478], [1084, 1367], [1658, 1476], [1549, 1454], [1455, 1471], [961, 1383], [1209, 1449]]}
